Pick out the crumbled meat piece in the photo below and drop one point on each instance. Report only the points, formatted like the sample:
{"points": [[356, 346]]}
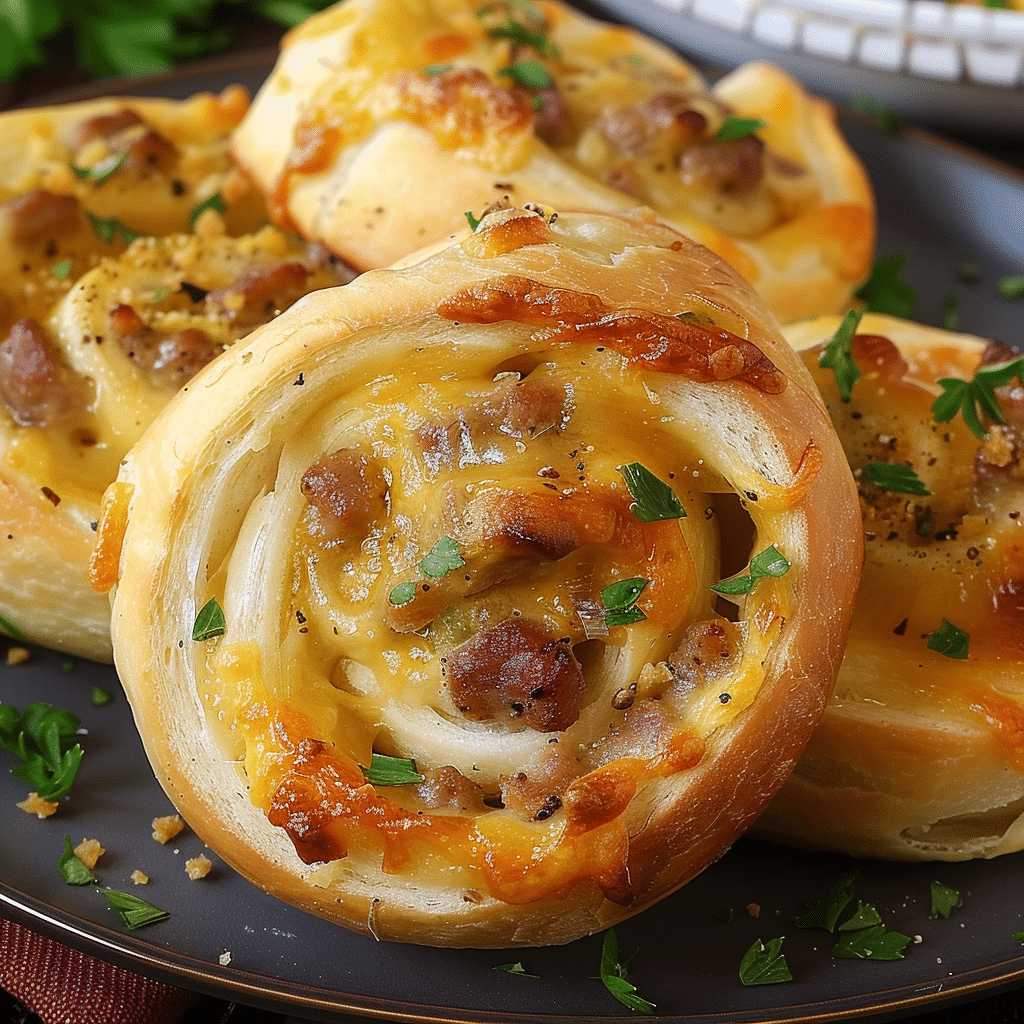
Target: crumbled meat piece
{"points": [[167, 827], [551, 119], [733, 166], [36, 387], [448, 787], [89, 851], [104, 126], [126, 132], [348, 491], [259, 293], [198, 867], [35, 804], [516, 672], [40, 214], [177, 357], [666, 119]]}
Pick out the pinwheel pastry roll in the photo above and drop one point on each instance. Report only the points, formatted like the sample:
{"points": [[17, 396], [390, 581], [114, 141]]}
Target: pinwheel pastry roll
{"points": [[919, 755], [415, 599], [79, 385], [385, 121]]}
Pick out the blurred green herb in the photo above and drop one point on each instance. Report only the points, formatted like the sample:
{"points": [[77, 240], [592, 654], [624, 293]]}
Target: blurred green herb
{"points": [[885, 292], [885, 120], [738, 128], [131, 37], [42, 738]]}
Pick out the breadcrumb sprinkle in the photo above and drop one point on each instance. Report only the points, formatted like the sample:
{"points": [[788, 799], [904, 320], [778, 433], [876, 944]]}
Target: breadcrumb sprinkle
{"points": [[139, 877], [35, 804], [198, 867], [88, 851], [167, 827]]}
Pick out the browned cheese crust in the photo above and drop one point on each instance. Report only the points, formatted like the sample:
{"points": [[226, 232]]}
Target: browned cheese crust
{"points": [[386, 120], [131, 253], [410, 497], [919, 755]]}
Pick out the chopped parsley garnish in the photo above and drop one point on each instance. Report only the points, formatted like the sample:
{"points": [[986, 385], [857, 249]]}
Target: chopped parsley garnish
{"points": [[977, 396], [738, 128], [8, 627], [391, 771], [72, 869], [837, 355], [944, 900], [135, 913], [431, 70], [444, 557], [209, 622], [619, 600], [474, 222], [885, 120], [62, 270], [401, 594], [997, 5], [891, 476], [100, 697], [825, 913], [764, 964], [520, 35], [885, 292], [874, 943], [1011, 287], [769, 562], [68, 665], [653, 499], [43, 739], [865, 916], [214, 202], [529, 73], [99, 172], [616, 979], [516, 968], [950, 642], [108, 230]]}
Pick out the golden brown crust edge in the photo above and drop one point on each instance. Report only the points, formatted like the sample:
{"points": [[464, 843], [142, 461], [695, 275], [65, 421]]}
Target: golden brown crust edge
{"points": [[681, 813]]}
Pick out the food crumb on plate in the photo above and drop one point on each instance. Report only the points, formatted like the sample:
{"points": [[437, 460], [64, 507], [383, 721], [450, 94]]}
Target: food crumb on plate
{"points": [[753, 909], [17, 655], [225, 958], [167, 827], [198, 867], [139, 877], [88, 851], [35, 804]]}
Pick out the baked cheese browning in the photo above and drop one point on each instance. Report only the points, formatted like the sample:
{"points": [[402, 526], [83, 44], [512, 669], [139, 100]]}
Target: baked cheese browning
{"points": [[919, 753], [542, 104]]}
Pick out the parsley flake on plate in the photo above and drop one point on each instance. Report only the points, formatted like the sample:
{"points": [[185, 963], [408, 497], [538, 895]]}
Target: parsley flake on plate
{"points": [[43, 739], [1011, 287], [72, 869], [874, 943], [825, 913], [529, 73], [516, 968], [135, 913], [837, 355], [765, 964], [944, 900], [616, 979]]}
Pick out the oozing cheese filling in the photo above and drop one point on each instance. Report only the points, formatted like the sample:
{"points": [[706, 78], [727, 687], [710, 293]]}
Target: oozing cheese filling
{"points": [[452, 569]]}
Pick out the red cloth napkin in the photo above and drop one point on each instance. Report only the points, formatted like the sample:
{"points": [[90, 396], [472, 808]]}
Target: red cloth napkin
{"points": [[62, 986]]}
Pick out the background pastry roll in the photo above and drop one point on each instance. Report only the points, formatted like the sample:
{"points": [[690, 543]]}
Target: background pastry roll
{"points": [[426, 569], [919, 754], [108, 304], [385, 121]]}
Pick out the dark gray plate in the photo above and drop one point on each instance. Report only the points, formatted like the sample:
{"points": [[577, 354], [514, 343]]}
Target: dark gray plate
{"points": [[941, 206]]}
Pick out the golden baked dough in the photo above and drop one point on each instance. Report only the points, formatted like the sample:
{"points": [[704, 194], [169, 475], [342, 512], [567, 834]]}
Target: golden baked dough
{"points": [[97, 334], [386, 120], [439, 511], [919, 755]]}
